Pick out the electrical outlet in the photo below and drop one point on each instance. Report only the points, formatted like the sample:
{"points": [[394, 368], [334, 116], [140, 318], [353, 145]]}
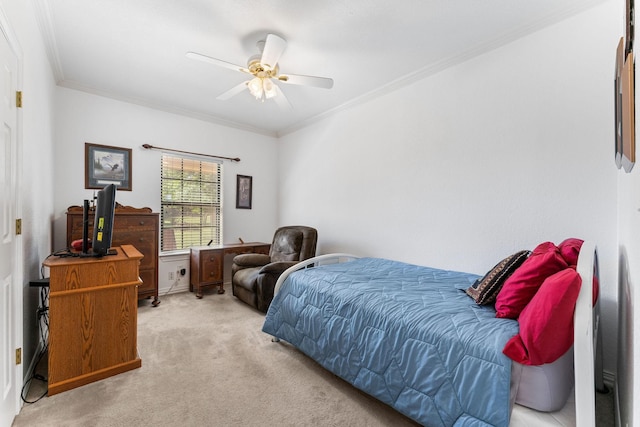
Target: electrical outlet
{"points": [[171, 275]]}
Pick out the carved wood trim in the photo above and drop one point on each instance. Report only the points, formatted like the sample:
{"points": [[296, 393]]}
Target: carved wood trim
{"points": [[119, 209]]}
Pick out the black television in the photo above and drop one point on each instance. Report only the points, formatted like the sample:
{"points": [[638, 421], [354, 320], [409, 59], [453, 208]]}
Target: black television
{"points": [[103, 221]]}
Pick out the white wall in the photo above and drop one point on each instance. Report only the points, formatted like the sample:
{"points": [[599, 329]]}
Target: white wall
{"points": [[82, 117], [460, 169]]}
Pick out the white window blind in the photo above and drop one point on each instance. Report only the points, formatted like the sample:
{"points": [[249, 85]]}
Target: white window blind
{"points": [[191, 214]]}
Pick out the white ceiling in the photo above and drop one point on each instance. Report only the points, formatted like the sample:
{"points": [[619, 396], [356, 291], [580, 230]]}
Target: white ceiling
{"points": [[134, 50]]}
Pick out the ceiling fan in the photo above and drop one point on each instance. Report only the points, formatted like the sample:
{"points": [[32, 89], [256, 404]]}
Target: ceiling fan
{"points": [[266, 72]]}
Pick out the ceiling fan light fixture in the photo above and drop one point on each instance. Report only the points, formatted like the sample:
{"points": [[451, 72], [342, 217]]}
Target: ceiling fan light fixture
{"points": [[269, 88], [255, 87], [262, 88]]}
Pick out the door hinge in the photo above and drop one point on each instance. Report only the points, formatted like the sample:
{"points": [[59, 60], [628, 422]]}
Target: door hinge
{"points": [[18, 226], [18, 356], [19, 99]]}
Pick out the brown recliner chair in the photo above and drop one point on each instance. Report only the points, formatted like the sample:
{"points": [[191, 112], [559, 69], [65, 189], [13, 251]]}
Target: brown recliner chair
{"points": [[253, 276]]}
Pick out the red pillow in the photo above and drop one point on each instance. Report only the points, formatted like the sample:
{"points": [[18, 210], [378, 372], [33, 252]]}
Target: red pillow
{"points": [[546, 323], [570, 249], [522, 285]]}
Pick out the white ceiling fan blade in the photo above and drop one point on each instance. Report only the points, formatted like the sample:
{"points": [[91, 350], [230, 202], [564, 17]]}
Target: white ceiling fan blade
{"points": [[282, 100], [233, 91], [273, 48], [215, 61], [297, 79]]}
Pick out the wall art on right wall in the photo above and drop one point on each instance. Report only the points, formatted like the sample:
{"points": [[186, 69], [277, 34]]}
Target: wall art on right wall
{"points": [[628, 115], [624, 95], [618, 102]]}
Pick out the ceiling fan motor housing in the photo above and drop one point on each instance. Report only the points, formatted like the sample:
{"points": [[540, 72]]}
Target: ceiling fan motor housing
{"points": [[261, 70]]}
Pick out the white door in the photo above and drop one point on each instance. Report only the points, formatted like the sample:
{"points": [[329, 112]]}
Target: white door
{"points": [[9, 309]]}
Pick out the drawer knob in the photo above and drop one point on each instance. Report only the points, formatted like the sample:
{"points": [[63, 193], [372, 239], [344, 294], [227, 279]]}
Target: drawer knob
{"points": [[141, 222], [211, 274], [142, 239], [212, 259]]}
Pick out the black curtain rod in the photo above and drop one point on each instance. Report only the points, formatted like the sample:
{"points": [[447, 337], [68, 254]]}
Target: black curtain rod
{"points": [[151, 147]]}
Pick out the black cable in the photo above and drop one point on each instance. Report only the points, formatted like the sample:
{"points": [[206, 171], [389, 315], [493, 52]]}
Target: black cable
{"points": [[64, 253], [35, 377], [42, 317]]}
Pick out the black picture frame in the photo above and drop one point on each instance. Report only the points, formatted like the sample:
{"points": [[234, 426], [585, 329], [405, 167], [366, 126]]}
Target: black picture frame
{"points": [[626, 91], [628, 115], [244, 189], [104, 164], [629, 26], [618, 102]]}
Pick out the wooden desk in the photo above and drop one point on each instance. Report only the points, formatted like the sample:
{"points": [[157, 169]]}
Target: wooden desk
{"points": [[93, 318], [207, 263]]}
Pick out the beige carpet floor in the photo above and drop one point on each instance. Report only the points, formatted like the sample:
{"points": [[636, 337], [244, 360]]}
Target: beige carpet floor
{"points": [[207, 363]]}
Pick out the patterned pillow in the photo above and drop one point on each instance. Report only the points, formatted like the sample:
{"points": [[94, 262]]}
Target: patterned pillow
{"points": [[485, 290]]}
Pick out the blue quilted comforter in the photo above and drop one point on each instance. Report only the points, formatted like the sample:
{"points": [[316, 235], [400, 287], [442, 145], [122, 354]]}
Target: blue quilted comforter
{"points": [[405, 334]]}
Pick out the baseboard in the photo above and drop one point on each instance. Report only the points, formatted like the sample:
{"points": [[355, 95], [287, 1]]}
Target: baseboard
{"points": [[182, 287], [178, 286], [616, 406], [609, 379]]}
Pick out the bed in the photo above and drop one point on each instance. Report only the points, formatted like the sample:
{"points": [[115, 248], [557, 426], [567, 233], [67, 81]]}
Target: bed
{"points": [[413, 338]]}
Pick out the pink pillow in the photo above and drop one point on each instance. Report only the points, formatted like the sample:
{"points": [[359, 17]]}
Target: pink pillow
{"points": [[522, 285], [546, 323], [570, 249]]}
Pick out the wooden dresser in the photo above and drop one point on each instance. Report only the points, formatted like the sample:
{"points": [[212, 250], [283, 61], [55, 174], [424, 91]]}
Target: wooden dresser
{"points": [[131, 226]]}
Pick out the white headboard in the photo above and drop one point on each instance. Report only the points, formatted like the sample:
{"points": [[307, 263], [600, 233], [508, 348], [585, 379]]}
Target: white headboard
{"points": [[587, 347]]}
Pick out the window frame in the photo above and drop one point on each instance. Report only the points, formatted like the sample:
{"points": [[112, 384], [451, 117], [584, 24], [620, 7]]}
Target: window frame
{"points": [[184, 175]]}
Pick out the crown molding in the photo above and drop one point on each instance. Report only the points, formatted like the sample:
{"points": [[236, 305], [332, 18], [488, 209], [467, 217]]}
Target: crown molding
{"points": [[45, 24]]}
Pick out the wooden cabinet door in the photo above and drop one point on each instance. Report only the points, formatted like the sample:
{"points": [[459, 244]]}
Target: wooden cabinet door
{"points": [[211, 266]]}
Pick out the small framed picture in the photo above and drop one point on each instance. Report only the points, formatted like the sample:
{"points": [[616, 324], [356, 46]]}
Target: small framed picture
{"points": [[618, 102], [105, 165], [244, 187], [628, 115]]}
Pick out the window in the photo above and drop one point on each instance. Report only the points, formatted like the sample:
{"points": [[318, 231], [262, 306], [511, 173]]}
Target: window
{"points": [[191, 214]]}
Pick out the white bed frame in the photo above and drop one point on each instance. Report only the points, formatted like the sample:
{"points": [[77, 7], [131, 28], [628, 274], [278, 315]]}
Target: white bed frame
{"points": [[586, 342], [587, 351]]}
